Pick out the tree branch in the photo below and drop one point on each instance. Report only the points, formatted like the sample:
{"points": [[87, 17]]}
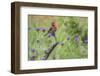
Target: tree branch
{"points": [[49, 51]]}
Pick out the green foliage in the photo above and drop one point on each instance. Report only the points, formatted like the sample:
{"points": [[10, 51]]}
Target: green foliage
{"points": [[67, 27]]}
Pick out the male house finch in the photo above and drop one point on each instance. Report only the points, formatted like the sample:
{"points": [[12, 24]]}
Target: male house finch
{"points": [[52, 30]]}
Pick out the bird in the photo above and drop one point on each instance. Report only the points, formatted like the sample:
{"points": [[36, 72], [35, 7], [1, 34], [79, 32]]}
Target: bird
{"points": [[52, 30]]}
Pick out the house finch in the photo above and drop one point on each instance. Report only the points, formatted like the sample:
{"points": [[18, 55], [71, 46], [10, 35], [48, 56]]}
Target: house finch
{"points": [[52, 30]]}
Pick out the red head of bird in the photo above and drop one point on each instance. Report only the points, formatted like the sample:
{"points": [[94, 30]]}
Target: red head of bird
{"points": [[54, 24]]}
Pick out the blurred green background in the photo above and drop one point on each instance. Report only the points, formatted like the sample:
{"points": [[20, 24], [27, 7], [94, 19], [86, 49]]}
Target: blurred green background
{"points": [[71, 34]]}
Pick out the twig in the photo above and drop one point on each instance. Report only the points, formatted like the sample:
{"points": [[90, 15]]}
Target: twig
{"points": [[50, 50]]}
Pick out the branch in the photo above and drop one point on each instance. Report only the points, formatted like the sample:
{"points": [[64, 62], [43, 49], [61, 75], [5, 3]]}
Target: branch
{"points": [[49, 51]]}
